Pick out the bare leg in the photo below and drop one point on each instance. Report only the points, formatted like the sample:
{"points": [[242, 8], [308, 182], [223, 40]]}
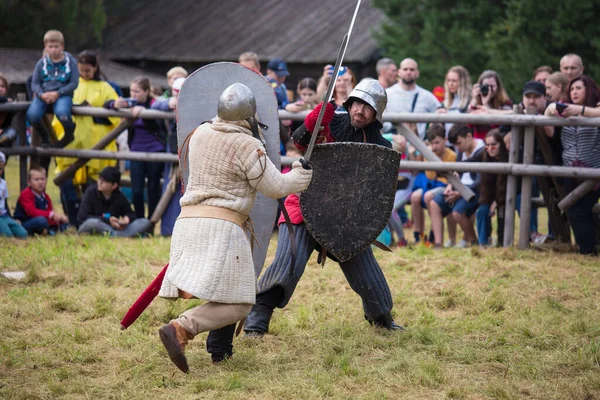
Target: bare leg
{"points": [[437, 222], [466, 226], [417, 210]]}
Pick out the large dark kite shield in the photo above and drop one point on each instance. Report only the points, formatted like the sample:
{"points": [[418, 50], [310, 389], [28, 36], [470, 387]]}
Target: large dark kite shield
{"points": [[351, 195]]}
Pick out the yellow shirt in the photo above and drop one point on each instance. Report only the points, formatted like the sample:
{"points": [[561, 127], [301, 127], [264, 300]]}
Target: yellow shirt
{"points": [[448, 156], [87, 132]]}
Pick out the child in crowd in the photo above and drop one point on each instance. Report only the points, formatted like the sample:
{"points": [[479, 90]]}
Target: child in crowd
{"points": [[307, 93], [145, 135], [8, 226], [105, 209], [7, 134], [450, 201], [427, 184], [172, 75], [55, 78], [34, 207]]}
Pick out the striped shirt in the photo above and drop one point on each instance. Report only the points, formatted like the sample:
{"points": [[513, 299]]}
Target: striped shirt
{"points": [[581, 146]]}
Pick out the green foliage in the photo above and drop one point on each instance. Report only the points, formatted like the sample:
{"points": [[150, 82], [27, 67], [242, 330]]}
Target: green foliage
{"points": [[24, 25], [512, 37]]}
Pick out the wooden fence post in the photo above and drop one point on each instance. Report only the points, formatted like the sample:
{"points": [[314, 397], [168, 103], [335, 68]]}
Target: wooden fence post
{"points": [[21, 117], [511, 183], [526, 185]]}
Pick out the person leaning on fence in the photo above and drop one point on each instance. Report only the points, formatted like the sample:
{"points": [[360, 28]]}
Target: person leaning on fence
{"points": [[8, 134], [34, 207], [106, 211], [457, 93], [55, 78], [92, 91], [450, 201], [492, 196], [145, 135], [581, 148], [488, 94], [429, 183], [8, 226]]}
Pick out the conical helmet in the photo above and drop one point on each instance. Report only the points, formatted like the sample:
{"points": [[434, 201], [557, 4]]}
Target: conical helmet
{"points": [[237, 103], [371, 92]]}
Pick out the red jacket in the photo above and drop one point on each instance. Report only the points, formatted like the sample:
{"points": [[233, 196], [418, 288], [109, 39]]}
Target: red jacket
{"points": [[30, 206]]}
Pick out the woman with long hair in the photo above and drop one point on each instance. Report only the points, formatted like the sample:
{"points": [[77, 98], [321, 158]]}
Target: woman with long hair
{"points": [[488, 94], [343, 86], [145, 135], [92, 90], [457, 92], [581, 148]]}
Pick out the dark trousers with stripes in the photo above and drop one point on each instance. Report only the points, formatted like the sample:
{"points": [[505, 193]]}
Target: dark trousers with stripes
{"points": [[277, 284]]}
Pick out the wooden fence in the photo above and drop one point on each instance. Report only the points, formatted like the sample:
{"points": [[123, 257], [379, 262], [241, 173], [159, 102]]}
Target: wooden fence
{"points": [[523, 137]]}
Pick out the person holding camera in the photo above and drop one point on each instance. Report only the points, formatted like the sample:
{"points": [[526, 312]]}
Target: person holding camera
{"points": [[488, 94], [145, 135]]}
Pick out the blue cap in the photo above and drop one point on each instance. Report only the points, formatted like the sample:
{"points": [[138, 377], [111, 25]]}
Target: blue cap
{"points": [[278, 66]]}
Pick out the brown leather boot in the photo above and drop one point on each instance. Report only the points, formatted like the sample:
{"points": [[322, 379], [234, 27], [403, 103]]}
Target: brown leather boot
{"points": [[175, 338]]}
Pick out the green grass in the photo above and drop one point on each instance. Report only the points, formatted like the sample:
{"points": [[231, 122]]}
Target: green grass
{"points": [[493, 324]]}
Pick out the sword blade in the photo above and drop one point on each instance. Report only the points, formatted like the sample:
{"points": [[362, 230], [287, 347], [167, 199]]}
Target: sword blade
{"points": [[329, 93]]}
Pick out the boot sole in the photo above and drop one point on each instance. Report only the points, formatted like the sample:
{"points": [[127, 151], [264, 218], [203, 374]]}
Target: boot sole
{"points": [[169, 340]]}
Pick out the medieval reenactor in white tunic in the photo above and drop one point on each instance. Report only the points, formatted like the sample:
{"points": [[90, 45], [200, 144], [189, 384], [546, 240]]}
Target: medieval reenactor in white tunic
{"points": [[211, 256]]}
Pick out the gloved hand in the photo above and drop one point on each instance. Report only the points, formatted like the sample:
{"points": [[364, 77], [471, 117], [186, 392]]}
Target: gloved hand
{"points": [[304, 163], [311, 119]]}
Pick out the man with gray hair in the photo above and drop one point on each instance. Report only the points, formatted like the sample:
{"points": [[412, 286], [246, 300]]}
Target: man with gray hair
{"points": [[406, 96], [571, 66], [386, 72]]}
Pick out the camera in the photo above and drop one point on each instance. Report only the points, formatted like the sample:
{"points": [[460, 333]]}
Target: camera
{"points": [[485, 89], [131, 102]]}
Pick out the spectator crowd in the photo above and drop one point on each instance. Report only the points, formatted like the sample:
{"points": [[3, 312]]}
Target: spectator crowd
{"points": [[93, 201]]}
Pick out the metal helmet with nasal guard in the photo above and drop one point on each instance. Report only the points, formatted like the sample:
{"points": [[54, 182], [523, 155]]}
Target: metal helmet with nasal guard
{"points": [[371, 92], [236, 103]]}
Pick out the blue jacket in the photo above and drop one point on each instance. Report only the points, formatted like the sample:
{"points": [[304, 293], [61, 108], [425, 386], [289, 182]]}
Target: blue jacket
{"points": [[49, 76]]}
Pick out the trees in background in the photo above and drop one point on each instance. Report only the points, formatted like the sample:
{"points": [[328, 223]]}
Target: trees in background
{"points": [[512, 37], [25, 22]]}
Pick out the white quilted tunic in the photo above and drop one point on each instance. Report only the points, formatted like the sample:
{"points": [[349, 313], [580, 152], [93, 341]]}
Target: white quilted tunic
{"points": [[211, 258]]}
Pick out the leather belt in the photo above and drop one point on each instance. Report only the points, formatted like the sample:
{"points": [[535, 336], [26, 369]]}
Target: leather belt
{"points": [[200, 211]]}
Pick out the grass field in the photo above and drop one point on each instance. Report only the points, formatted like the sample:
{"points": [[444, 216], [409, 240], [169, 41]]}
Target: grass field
{"points": [[481, 324]]}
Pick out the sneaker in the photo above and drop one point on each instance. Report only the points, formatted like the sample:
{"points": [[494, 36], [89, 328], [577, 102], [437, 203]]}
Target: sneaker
{"points": [[449, 243], [538, 238], [402, 242], [462, 244]]}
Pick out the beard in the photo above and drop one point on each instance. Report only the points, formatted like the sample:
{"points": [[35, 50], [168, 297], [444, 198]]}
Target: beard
{"points": [[408, 82]]}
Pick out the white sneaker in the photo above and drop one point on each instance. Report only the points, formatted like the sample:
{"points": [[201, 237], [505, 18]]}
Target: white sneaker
{"points": [[538, 238], [449, 243], [462, 244]]}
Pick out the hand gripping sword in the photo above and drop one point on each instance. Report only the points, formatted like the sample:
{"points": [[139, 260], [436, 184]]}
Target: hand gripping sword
{"points": [[329, 93]]}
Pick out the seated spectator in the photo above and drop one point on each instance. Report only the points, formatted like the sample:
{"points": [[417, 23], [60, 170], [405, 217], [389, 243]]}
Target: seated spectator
{"points": [[8, 135], [55, 78], [106, 210], [427, 184], [450, 201], [34, 207], [8, 226], [581, 148], [492, 190]]}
